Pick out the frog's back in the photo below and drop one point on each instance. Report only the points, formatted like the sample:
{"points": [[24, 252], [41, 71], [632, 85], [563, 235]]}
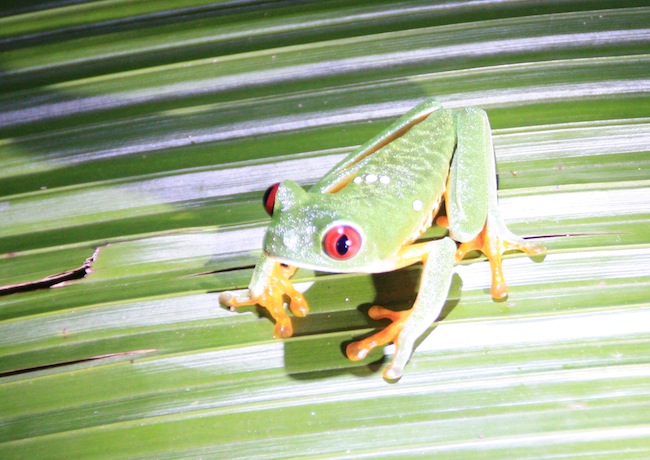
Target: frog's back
{"points": [[414, 163], [403, 181]]}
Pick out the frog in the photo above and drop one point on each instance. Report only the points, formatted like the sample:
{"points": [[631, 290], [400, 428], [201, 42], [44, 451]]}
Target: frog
{"points": [[433, 166]]}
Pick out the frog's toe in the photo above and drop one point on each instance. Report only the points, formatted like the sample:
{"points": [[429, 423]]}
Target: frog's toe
{"points": [[283, 328], [356, 351], [298, 305], [393, 372], [506, 241], [378, 313], [225, 298], [231, 301], [532, 249], [499, 290]]}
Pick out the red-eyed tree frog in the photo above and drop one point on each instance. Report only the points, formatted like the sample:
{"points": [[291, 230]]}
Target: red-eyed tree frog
{"points": [[366, 214]]}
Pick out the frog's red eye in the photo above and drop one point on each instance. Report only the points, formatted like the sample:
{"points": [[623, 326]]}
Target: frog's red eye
{"points": [[269, 198], [342, 242]]}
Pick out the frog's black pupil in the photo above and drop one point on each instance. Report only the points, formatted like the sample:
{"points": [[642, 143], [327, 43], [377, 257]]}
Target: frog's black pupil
{"points": [[342, 245]]}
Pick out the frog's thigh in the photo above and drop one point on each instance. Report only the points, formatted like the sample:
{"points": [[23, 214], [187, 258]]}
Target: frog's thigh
{"points": [[432, 294], [472, 178]]}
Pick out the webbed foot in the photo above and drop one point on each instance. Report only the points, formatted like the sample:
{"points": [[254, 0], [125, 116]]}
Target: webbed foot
{"points": [[271, 296], [390, 334], [494, 240], [358, 350]]}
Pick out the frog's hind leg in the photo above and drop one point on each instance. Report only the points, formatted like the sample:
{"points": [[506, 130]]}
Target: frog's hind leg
{"points": [[473, 215], [407, 326]]}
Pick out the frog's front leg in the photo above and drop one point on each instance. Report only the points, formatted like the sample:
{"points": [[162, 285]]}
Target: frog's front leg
{"points": [[268, 287], [407, 326], [473, 214]]}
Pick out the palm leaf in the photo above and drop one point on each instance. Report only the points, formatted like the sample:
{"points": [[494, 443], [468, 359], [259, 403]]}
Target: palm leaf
{"points": [[146, 131]]}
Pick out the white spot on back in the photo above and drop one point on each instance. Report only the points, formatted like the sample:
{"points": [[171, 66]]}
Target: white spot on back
{"points": [[290, 241], [384, 180], [370, 178], [417, 205], [358, 180]]}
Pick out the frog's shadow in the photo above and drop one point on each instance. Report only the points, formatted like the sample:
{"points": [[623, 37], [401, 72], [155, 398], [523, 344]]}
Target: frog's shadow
{"points": [[386, 297], [398, 290], [395, 290]]}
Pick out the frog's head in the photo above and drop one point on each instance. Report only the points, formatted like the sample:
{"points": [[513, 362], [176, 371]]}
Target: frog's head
{"points": [[316, 230]]}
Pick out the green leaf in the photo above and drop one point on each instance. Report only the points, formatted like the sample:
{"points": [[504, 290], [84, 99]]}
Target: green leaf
{"points": [[144, 133]]}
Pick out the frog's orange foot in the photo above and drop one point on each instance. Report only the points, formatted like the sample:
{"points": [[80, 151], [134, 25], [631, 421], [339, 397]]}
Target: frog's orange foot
{"points": [[283, 325], [494, 241], [273, 302], [360, 349]]}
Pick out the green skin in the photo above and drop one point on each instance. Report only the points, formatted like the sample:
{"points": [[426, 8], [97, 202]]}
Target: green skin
{"points": [[390, 190]]}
